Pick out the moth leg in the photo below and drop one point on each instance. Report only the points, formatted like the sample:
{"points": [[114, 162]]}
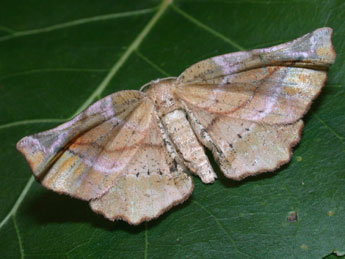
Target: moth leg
{"points": [[187, 144]]}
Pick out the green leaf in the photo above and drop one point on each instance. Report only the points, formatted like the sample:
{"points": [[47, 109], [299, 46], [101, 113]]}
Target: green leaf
{"points": [[57, 57]]}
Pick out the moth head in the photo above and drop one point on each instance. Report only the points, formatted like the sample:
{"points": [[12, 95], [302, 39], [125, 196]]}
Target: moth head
{"points": [[161, 92]]}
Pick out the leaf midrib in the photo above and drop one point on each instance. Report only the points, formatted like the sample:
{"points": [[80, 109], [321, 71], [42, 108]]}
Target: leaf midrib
{"points": [[97, 92]]}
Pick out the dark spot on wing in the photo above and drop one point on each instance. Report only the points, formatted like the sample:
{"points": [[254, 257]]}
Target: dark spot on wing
{"points": [[173, 167]]}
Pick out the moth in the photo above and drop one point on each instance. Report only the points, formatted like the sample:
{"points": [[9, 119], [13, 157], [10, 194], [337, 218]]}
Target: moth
{"points": [[130, 154]]}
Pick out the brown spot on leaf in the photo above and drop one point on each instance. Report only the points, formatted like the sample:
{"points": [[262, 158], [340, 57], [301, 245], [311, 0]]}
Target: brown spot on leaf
{"points": [[292, 216]]}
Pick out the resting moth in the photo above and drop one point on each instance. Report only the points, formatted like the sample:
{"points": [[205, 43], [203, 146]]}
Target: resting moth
{"points": [[130, 153]]}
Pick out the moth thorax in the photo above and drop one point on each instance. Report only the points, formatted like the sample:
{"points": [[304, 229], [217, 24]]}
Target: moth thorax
{"points": [[161, 92]]}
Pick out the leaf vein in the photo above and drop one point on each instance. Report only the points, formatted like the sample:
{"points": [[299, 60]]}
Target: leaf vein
{"points": [[26, 122], [220, 225], [336, 134], [75, 23], [20, 242], [20, 199], [207, 28], [43, 70], [134, 45], [6, 29], [80, 245], [152, 64]]}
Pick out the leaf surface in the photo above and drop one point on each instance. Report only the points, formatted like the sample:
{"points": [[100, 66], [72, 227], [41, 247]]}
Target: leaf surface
{"points": [[57, 57]]}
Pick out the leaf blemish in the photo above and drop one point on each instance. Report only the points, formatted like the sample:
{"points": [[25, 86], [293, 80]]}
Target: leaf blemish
{"points": [[292, 217]]}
